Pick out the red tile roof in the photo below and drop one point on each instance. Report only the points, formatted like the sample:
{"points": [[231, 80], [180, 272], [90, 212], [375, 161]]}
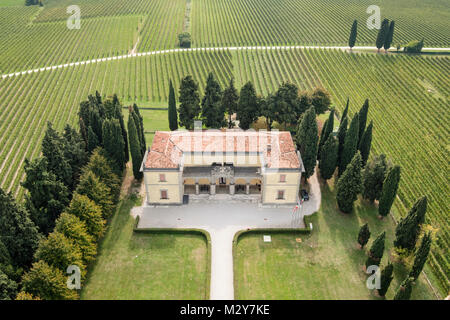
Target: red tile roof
{"points": [[168, 146]]}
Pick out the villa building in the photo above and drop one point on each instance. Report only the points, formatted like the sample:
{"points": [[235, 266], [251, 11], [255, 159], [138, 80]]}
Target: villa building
{"points": [[181, 164]]}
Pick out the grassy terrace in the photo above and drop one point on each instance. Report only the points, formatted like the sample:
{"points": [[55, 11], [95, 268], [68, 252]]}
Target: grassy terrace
{"points": [[146, 266], [325, 265]]}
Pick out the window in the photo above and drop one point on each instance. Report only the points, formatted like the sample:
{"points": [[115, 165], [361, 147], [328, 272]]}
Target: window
{"points": [[164, 194], [282, 178], [162, 177], [280, 195]]}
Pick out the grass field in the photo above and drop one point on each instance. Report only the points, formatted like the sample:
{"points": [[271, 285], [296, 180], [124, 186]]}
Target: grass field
{"points": [[325, 265], [145, 266]]}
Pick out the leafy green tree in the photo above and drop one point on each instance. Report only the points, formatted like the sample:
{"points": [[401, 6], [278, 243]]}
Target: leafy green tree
{"points": [[114, 144], [189, 108], [366, 143], [408, 228], [306, 139], [184, 40], [350, 145], [22, 295], [404, 290], [376, 251], [389, 191], [230, 100], [74, 150], [247, 111], [414, 46], [46, 196], [91, 186], [382, 33], [389, 36], [385, 279], [88, 212], [353, 34], [363, 235], [8, 287], [327, 129], [421, 256], [267, 108], [321, 100], [342, 132], [59, 252], [47, 282], [304, 103], [349, 185], [135, 148], [286, 101], [75, 230], [173, 115], [17, 232], [363, 119], [328, 159], [373, 177], [212, 112]]}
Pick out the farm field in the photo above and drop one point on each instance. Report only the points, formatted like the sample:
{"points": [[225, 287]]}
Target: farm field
{"points": [[327, 264], [146, 266]]}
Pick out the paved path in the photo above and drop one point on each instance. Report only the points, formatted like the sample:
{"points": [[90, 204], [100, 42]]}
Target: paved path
{"points": [[222, 220], [148, 53]]}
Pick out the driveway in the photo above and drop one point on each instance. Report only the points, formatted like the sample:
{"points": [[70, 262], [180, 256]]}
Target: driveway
{"points": [[222, 219]]}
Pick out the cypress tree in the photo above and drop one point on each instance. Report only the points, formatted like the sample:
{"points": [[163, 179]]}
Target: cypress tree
{"points": [[385, 279], [404, 290], [366, 143], [119, 116], [113, 143], [349, 185], [389, 36], [350, 144], [212, 112], [389, 191], [345, 113], [247, 110], [189, 108], [74, 150], [135, 147], [342, 132], [353, 34], [139, 122], [230, 100], [95, 122], [363, 235], [93, 141], [91, 186], [408, 228], [421, 256], [363, 119], [306, 138], [326, 131], [328, 160], [382, 33], [373, 177], [376, 251], [173, 116]]}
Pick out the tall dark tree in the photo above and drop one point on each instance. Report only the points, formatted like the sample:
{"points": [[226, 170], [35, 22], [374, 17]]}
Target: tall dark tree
{"points": [[286, 100], [321, 100], [353, 34], [212, 112], [363, 235], [342, 132], [404, 290], [327, 129], [189, 108], [135, 147], [139, 121], [345, 112], [382, 33], [46, 197], [408, 228], [328, 159], [173, 116], [376, 251], [389, 191], [363, 119], [389, 36], [114, 144], [17, 232], [74, 152], [304, 103], [349, 185], [373, 177], [230, 100], [421, 256], [267, 108], [117, 114], [8, 287], [366, 143], [350, 145], [93, 141], [385, 279], [307, 138], [247, 110]]}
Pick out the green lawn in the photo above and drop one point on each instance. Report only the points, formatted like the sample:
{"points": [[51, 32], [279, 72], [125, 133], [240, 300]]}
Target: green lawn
{"points": [[144, 266], [154, 120], [326, 265]]}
